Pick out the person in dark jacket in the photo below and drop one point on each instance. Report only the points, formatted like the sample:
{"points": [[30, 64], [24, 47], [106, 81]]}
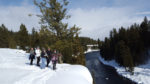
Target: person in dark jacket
{"points": [[54, 59], [49, 55], [32, 56], [43, 58]]}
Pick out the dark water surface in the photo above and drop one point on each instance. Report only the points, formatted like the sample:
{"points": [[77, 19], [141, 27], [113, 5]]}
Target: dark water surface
{"points": [[104, 74]]}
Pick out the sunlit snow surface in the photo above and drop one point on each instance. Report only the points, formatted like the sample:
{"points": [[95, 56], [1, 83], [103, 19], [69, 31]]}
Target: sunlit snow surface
{"points": [[15, 69]]}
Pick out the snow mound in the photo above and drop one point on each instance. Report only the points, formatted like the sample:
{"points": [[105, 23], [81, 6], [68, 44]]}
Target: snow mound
{"points": [[15, 69]]}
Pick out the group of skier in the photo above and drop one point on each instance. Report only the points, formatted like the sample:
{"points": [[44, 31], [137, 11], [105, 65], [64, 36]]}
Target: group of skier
{"points": [[43, 56]]}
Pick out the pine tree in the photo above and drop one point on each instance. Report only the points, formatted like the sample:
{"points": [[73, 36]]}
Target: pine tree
{"points": [[23, 36], [4, 34], [135, 43], [61, 37], [46, 37], [53, 12], [144, 31], [34, 39], [99, 43], [149, 33], [124, 56], [128, 46], [78, 51], [11, 39]]}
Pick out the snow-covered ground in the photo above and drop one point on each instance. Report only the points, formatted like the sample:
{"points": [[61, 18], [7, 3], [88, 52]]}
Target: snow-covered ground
{"points": [[15, 69], [91, 50], [141, 73]]}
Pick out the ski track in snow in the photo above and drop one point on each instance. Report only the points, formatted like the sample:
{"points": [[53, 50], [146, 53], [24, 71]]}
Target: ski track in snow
{"points": [[37, 78]]}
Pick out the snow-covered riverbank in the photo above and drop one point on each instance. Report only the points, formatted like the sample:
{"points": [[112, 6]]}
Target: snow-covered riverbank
{"points": [[141, 73], [15, 69]]}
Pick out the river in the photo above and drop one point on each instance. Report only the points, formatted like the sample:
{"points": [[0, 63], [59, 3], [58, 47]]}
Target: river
{"points": [[104, 74]]}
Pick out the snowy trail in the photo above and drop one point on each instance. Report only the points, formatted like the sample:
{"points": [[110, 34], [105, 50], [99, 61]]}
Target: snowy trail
{"points": [[37, 78], [15, 69]]}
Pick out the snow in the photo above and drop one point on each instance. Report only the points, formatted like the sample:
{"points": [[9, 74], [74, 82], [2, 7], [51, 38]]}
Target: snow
{"points": [[141, 73], [15, 69], [91, 50], [92, 45]]}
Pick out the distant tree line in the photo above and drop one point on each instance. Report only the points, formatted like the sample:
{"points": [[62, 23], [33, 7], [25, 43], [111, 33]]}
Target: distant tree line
{"points": [[87, 41], [72, 46], [128, 46]]}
